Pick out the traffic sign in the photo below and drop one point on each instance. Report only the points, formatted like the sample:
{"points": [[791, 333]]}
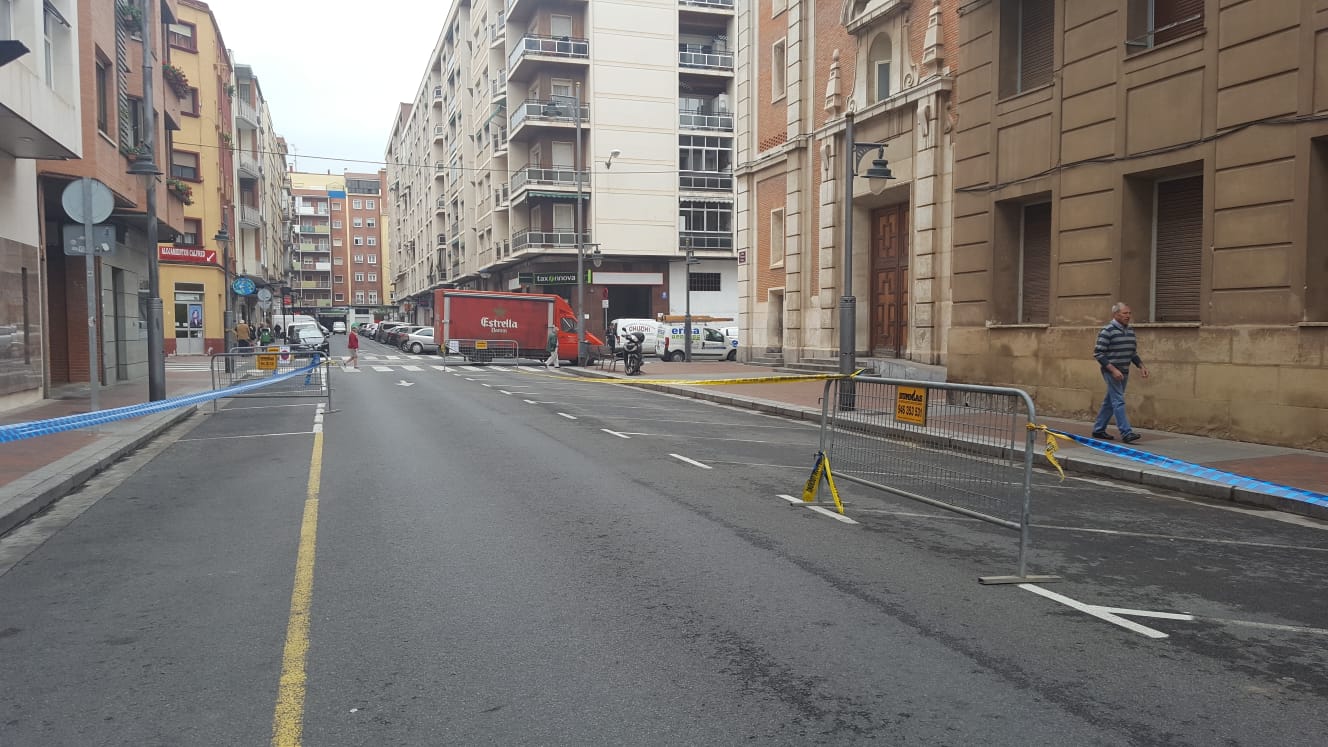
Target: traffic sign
{"points": [[267, 363], [95, 209], [264, 294], [103, 240], [285, 354], [243, 286]]}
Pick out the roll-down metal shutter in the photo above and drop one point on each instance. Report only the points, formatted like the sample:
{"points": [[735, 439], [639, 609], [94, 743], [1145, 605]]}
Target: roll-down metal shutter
{"points": [[1035, 295], [1176, 18], [1036, 43], [1177, 273]]}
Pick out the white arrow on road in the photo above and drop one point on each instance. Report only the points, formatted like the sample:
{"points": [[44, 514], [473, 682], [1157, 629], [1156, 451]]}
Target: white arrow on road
{"points": [[403, 382]]}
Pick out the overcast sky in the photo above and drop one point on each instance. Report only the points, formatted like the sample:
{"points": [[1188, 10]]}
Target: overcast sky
{"points": [[333, 71]]}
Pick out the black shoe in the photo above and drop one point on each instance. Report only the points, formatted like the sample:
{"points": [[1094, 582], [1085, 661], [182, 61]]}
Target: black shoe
{"points": [[1130, 437], [1103, 436]]}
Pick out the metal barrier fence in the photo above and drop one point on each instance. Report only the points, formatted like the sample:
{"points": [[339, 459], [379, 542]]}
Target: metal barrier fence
{"points": [[483, 351], [953, 446], [243, 365]]}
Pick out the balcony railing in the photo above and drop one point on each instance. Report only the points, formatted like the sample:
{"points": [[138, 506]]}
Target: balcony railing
{"points": [[250, 217], [548, 46], [312, 284], [310, 246], [315, 229], [500, 198], [702, 56], [547, 110], [707, 4], [499, 85], [694, 119], [559, 177], [527, 238], [246, 114], [439, 131], [706, 180], [706, 239], [248, 167]]}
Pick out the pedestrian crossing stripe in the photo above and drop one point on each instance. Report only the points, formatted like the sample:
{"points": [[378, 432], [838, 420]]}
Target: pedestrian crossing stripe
{"points": [[411, 368], [382, 368]]}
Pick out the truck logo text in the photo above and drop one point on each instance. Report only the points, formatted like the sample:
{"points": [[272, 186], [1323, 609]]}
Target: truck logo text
{"points": [[496, 324]]}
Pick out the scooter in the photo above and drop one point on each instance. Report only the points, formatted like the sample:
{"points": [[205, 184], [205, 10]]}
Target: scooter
{"points": [[632, 353]]}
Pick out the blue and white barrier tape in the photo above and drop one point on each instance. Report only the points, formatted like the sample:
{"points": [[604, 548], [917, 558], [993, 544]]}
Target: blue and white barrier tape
{"points": [[1195, 470], [34, 428]]}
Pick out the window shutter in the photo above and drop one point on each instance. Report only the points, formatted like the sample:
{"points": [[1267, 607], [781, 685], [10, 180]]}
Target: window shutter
{"points": [[1179, 250], [1169, 12], [1036, 43], [1035, 295]]}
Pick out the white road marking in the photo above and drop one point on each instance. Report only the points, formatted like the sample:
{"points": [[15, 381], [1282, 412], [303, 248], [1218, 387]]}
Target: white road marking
{"points": [[411, 368], [269, 407], [403, 382], [350, 370], [318, 418], [615, 433], [394, 357], [1094, 611], [488, 385], [439, 368], [513, 391], [832, 514], [682, 458], [569, 417], [537, 402], [791, 499], [1143, 613], [383, 368], [1178, 538]]}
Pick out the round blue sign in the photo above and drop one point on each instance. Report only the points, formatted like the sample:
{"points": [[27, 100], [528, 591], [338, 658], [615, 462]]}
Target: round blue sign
{"points": [[243, 286]]}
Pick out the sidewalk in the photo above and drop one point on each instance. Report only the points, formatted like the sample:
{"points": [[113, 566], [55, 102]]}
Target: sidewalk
{"points": [[1307, 470], [38, 471]]}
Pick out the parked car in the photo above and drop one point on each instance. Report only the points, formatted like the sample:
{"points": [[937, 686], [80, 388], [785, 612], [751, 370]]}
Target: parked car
{"points": [[308, 337], [338, 328], [420, 341], [380, 334], [368, 328], [398, 335]]}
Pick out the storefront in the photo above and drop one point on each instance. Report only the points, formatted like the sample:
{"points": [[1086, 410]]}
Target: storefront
{"points": [[193, 300]]}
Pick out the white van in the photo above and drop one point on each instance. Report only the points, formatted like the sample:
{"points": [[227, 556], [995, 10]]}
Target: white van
{"points": [[708, 343], [648, 327]]}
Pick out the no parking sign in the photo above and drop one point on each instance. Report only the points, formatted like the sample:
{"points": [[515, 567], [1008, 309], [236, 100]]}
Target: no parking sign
{"points": [[285, 354]]}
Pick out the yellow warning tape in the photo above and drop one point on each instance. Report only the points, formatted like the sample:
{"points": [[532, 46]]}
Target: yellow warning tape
{"points": [[710, 382], [1051, 447], [822, 468]]}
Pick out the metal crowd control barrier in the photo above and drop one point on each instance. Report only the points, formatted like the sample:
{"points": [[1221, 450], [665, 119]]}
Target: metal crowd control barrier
{"points": [[948, 445], [243, 365], [483, 351]]}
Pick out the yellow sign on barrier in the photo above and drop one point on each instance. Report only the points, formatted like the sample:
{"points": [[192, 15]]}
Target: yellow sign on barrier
{"points": [[481, 344], [911, 405], [267, 362]]}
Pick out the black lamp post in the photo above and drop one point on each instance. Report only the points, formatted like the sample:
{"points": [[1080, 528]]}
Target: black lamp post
{"points": [[223, 239], [687, 314], [144, 166]]}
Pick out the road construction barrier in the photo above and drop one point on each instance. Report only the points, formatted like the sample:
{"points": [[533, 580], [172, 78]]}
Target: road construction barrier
{"points": [[483, 351], [244, 365], [954, 446]]}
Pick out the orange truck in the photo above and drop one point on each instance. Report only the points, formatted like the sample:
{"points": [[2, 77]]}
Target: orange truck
{"points": [[484, 325]]}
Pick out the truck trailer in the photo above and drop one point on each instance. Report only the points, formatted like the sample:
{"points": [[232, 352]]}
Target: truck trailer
{"points": [[488, 325]]}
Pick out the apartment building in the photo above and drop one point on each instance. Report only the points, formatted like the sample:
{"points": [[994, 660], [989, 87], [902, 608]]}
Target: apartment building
{"points": [[107, 76], [262, 194], [319, 230], [804, 66], [41, 108], [362, 285], [544, 134], [1172, 155]]}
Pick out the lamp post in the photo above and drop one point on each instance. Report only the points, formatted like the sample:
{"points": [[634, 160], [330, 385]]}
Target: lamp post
{"points": [[223, 239], [848, 312], [687, 313], [145, 166], [580, 239]]}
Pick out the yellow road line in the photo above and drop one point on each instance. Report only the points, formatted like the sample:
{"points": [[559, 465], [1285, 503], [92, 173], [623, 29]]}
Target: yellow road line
{"points": [[288, 721]]}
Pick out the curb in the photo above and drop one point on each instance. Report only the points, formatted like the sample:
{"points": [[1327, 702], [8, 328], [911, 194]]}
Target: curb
{"points": [[27, 496], [1088, 463]]}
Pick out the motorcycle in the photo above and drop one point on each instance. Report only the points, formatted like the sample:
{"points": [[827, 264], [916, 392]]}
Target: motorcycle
{"points": [[632, 353]]}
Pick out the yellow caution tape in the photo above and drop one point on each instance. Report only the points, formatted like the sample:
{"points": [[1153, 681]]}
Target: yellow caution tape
{"points": [[1051, 447], [834, 492], [822, 468]]}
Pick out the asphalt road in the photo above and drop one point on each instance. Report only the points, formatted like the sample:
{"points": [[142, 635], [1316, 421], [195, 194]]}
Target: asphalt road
{"points": [[514, 556]]}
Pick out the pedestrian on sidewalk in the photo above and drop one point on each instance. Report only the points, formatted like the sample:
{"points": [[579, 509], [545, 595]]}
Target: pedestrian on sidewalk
{"points": [[353, 345], [1115, 350], [244, 336], [553, 348]]}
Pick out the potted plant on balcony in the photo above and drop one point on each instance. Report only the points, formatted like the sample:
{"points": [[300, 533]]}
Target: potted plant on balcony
{"points": [[176, 79], [227, 140], [130, 15], [180, 190]]}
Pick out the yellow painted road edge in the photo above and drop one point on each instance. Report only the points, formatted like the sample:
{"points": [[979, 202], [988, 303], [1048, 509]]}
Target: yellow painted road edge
{"points": [[288, 720]]}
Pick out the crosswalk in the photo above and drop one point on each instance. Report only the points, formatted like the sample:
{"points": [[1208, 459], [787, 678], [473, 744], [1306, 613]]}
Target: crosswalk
{"points": [[379, 365]]}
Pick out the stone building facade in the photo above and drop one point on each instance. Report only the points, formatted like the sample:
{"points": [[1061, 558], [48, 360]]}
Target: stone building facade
{"points": [[1172, 155]]}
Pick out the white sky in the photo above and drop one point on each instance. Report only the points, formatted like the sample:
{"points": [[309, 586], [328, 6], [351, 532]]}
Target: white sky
{"points": [[333, 71]]}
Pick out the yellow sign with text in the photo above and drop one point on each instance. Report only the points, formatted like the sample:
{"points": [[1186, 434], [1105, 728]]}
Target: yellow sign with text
{"points": [[911, 405], [481, 344], [267, 362]]}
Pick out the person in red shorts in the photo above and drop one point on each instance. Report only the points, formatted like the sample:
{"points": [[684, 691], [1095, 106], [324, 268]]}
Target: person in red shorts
{"points": [[353, 345]]}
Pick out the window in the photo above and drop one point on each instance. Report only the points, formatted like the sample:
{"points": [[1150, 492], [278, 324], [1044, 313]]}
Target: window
{"points": [[369, 205], [193, 227], [358, 259], [341, 297], [373, 277], [778, 71], [372, 241], [1035, 265], [708, 224], [373, 297], [6, 19], [181, 36], [336, 206], [338, 261], [103, 88], [136, 121], [184, 165], [357, 223], [357, 204], [190, 105], [703, 281], [338, 279], [48, 45], [560, 26], [336, 241], [370, 223], [1153, 22], [1177, 249], [879, 55], [336, 224], [708, 154], [373, 259], [1027, 44], [359, 296], [777, 237], [358, 241], [359, 277]]}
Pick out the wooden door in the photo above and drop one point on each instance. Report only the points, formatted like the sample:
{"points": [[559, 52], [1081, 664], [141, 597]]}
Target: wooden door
{"points": [[889, 287]]}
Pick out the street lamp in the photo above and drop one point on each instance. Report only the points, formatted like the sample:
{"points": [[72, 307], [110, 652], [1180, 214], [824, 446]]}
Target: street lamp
{"points": [[848, 312], [687, 313], [578, 226], [223, 239], [144, 166]]}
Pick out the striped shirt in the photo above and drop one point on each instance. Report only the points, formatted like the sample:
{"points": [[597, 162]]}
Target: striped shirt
{"points": [[1116, 345]]}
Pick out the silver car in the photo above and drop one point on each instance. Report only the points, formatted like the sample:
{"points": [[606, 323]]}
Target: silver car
{"points": [[420, 341]]}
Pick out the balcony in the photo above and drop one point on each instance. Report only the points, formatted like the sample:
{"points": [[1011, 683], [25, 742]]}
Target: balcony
{"points": [[323, 230], [532, 52], [312, 285], [498, 31], [723, 5], [520, 10], [313, 210], [440, 206], [246, 116], [544, 112], [439, 132], [437, 93], [499, 137], [501, 198], [527, 239], [317, 248], [707, 181], [498, 88], [706, 239], [703, 58], [696, 119], [562, 180], [248, 167], [250, 217], [439, 170]]}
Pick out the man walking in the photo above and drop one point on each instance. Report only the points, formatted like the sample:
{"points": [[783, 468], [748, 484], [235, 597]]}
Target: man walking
{"points": [[553, 348], [1115, 350], [353, 345], [244, 336]]}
